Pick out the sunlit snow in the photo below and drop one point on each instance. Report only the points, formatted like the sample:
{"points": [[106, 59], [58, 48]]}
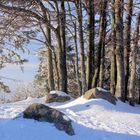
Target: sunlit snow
{"points": [[94, 119]]}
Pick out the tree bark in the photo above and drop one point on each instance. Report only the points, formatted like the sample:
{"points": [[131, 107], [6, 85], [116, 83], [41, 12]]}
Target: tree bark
{"points": [[76, 61], [81, 39], [127, 41], [50, 61], [56, 70], [133, 67], [103, 24], [62, 47], [113, 48], [120, 87], [76, 51], [63, 67], [98, 75], [90, 43]]}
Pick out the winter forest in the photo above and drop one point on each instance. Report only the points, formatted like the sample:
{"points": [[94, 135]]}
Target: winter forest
{"points": [[88, 50]]}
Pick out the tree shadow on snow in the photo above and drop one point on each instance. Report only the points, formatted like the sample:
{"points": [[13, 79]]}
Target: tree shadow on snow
{"points": [[95, 134], [21, 129], [119, 107]]}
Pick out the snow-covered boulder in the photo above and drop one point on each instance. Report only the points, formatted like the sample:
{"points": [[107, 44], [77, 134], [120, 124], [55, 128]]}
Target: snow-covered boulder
{"points": [[42, 112], [57, 96], [100, 93]]}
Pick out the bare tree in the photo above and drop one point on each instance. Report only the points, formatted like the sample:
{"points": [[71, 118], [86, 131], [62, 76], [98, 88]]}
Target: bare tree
{"points": [[127, 42], [90, 42], [81, 41], [132, 92], [120, 87], [98, 75], [113, 48]]}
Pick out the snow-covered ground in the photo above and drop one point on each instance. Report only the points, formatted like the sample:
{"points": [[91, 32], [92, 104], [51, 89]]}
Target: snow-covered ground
{"points": [[92, 120]]}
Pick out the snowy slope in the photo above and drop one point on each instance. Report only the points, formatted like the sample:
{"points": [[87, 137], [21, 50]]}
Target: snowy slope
{"points": [[92, 120]]}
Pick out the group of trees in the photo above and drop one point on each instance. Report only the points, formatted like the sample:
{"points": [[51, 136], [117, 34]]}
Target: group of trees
{"points": [[85, 43]]}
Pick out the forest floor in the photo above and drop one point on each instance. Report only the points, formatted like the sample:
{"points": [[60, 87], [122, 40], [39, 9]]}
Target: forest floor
{"points": [[94, 119]]}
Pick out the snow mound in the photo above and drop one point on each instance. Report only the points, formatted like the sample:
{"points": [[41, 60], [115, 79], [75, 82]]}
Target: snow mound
{"points": [[59, 93], [101, 89]]}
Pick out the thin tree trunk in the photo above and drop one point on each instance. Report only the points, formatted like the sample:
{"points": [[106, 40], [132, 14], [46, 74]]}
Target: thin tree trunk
{"points": [[81, 40], [56, 70], [76, 51], [50, 61], [47, 34], [76, 61], [113, 48], [127, 41], [90, 43], [100, 55], [62, 64], [133, 67], [101, 75], [120, 87], [61, 19]]}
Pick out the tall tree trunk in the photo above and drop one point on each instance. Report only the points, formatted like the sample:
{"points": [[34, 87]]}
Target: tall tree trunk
{"points": [[63, 67], [101, 75], [47, 34], [120, 87], [133, 67], [127, 41], [98, 75], [76, 51], [113, 48], [76, 60], [90, 43], [62, 46], [81, 39], [50, 61]]}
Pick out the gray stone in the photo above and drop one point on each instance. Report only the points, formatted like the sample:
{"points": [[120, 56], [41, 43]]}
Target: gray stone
{"points": [[96, 93], [56, 98], [42, 112]]}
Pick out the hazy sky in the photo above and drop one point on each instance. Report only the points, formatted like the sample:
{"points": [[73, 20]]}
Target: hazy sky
{"points": [[30, 68]]}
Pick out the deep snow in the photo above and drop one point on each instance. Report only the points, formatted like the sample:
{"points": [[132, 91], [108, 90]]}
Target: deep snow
{"points": [[94, 119]]}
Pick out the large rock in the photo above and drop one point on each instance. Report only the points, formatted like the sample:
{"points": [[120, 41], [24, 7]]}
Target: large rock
{"points": [[100, 93], [42, 112], [57, 96]]}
